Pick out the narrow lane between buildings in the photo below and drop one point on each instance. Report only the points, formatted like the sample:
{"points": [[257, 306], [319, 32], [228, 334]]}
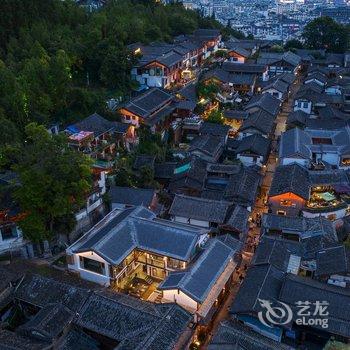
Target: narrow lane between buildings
{"points": [[260, 207]]}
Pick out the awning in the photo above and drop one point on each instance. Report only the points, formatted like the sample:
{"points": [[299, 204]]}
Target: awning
{"points": [[182, 168], [327, 196], [274, 333]]}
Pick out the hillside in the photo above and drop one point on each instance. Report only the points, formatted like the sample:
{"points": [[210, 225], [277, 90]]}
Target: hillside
{"points": [[59, 62]]}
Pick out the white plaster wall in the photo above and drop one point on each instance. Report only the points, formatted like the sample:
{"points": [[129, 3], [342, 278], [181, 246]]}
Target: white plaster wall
{"points": [[308, 81], [180, 219], [338, 213], [305, 109], [89, 275], [173, 295], [152, 81], [200, 223], [286, 161], [331, 158], [250, 160], [333, 91], [237, 59], [272, 92], [14, 242]]}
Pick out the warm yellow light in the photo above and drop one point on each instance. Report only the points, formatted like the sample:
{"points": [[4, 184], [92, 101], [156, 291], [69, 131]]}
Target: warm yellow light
{"points": [[138, 50]]}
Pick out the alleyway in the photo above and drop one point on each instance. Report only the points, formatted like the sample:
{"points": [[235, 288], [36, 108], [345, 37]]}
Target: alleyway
{"points": [[259, 208]]}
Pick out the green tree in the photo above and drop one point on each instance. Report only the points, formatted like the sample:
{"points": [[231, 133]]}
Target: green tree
{"points": [[325, 33], [293, 44], [115, 69], [276, 48], [207, 90], [146, 177], [55, 181], [216, 117]]}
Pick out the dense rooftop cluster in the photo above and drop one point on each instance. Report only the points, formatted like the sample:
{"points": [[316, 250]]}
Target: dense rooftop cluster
{"points": [[224, 176]]}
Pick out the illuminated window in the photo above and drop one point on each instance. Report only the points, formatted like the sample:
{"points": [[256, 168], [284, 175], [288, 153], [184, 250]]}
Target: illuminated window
{"points": [[287, 203], [92, 265]]}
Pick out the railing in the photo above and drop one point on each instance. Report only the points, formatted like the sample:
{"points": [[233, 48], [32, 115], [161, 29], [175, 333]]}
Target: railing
{"points": [[157, 263], [329, 208]]}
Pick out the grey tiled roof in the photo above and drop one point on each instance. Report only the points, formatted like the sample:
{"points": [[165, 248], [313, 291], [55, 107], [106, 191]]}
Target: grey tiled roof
{"points": [[238, 49], [207, 144], [132, 323], [332, 260], [164, 170], [298, 117], [76, 339], [149, 102], [289, 78], [242, 187], [296, 288], [302, 226], [194, 178], [254, 145], [234, 335], [199, 208], [261, 282], [276, 252], [235, 114], [131, 196], [329, 177], [41, 291], [143, 160], [200, 278], [266, 102], [317, 76], [13, 341], [291, 178], [6, 278], [278, 85], [170, 58], [294, 142], [249, 68], [189, 92], [49, 322], [214, 129], [113, 239], [263, 122], [272, 57], [206, 33], [96, 124], [238, 219], [301, 142], [231, 77]]}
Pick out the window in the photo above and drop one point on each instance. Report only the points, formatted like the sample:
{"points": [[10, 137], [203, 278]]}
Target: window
{"points": [[7, 232], [92, 265], [281, 212], [287, 203], [321, 141], [305, 104]]}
